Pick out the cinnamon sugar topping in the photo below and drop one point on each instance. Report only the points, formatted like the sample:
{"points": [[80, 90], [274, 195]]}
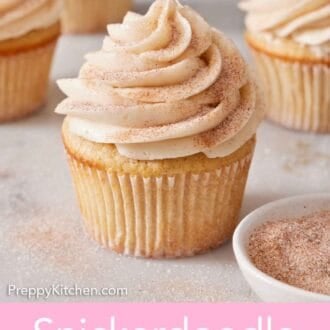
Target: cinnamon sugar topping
{"points": [[295, 251]]}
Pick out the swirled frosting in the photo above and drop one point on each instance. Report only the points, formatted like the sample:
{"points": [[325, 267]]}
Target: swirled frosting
{"points": [[164, 85], [304, 21], [18, 17]]}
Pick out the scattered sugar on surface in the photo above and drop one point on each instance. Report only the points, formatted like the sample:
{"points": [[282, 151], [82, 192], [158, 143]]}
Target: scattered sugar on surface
{"points": [[304, 154]]}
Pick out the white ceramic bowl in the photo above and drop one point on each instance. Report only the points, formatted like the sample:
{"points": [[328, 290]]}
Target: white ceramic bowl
{"points": [[265, 286]]}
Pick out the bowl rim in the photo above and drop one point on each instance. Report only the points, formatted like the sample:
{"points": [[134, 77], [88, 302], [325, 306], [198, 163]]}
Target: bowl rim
{"points": [[243, 259]]}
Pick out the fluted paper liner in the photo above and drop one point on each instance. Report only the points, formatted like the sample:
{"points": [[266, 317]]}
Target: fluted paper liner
{"points": [[81, 16], [297, 93], [164, 216], [24, 81]]}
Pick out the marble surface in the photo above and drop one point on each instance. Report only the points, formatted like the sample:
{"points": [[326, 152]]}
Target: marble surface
{"points": [[41, 237]]}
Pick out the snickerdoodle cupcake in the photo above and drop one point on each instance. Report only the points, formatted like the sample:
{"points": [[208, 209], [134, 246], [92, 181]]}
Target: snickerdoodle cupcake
{"points": [[160, 133], [290, 41], [86, 16], [28, 34]]}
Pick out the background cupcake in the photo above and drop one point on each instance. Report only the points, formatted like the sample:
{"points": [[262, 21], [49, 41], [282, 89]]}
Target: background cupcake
{"points": [[290, 41], [28, 34], [81, 16], [160, 134]]}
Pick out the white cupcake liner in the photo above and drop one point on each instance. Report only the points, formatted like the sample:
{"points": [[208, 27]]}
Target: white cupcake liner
{"points": [[166, 216], [24, 81], [80, 16], [297, 93]]}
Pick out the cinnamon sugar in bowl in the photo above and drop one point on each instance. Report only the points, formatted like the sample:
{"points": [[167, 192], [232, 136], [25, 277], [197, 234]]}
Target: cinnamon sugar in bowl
{"points": [[283, 249]]}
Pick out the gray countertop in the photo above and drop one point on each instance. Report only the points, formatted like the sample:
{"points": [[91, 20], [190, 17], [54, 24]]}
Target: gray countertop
{"points": [[41, 237]]}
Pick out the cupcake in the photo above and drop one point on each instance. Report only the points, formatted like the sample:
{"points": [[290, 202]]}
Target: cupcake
{"points": [[160, 133], [28, 34], [290, 41], [83, 16]]}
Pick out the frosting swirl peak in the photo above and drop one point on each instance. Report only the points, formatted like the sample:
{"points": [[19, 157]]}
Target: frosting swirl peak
{"points": [[164, 85], [305, 21], [18, 17]]}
